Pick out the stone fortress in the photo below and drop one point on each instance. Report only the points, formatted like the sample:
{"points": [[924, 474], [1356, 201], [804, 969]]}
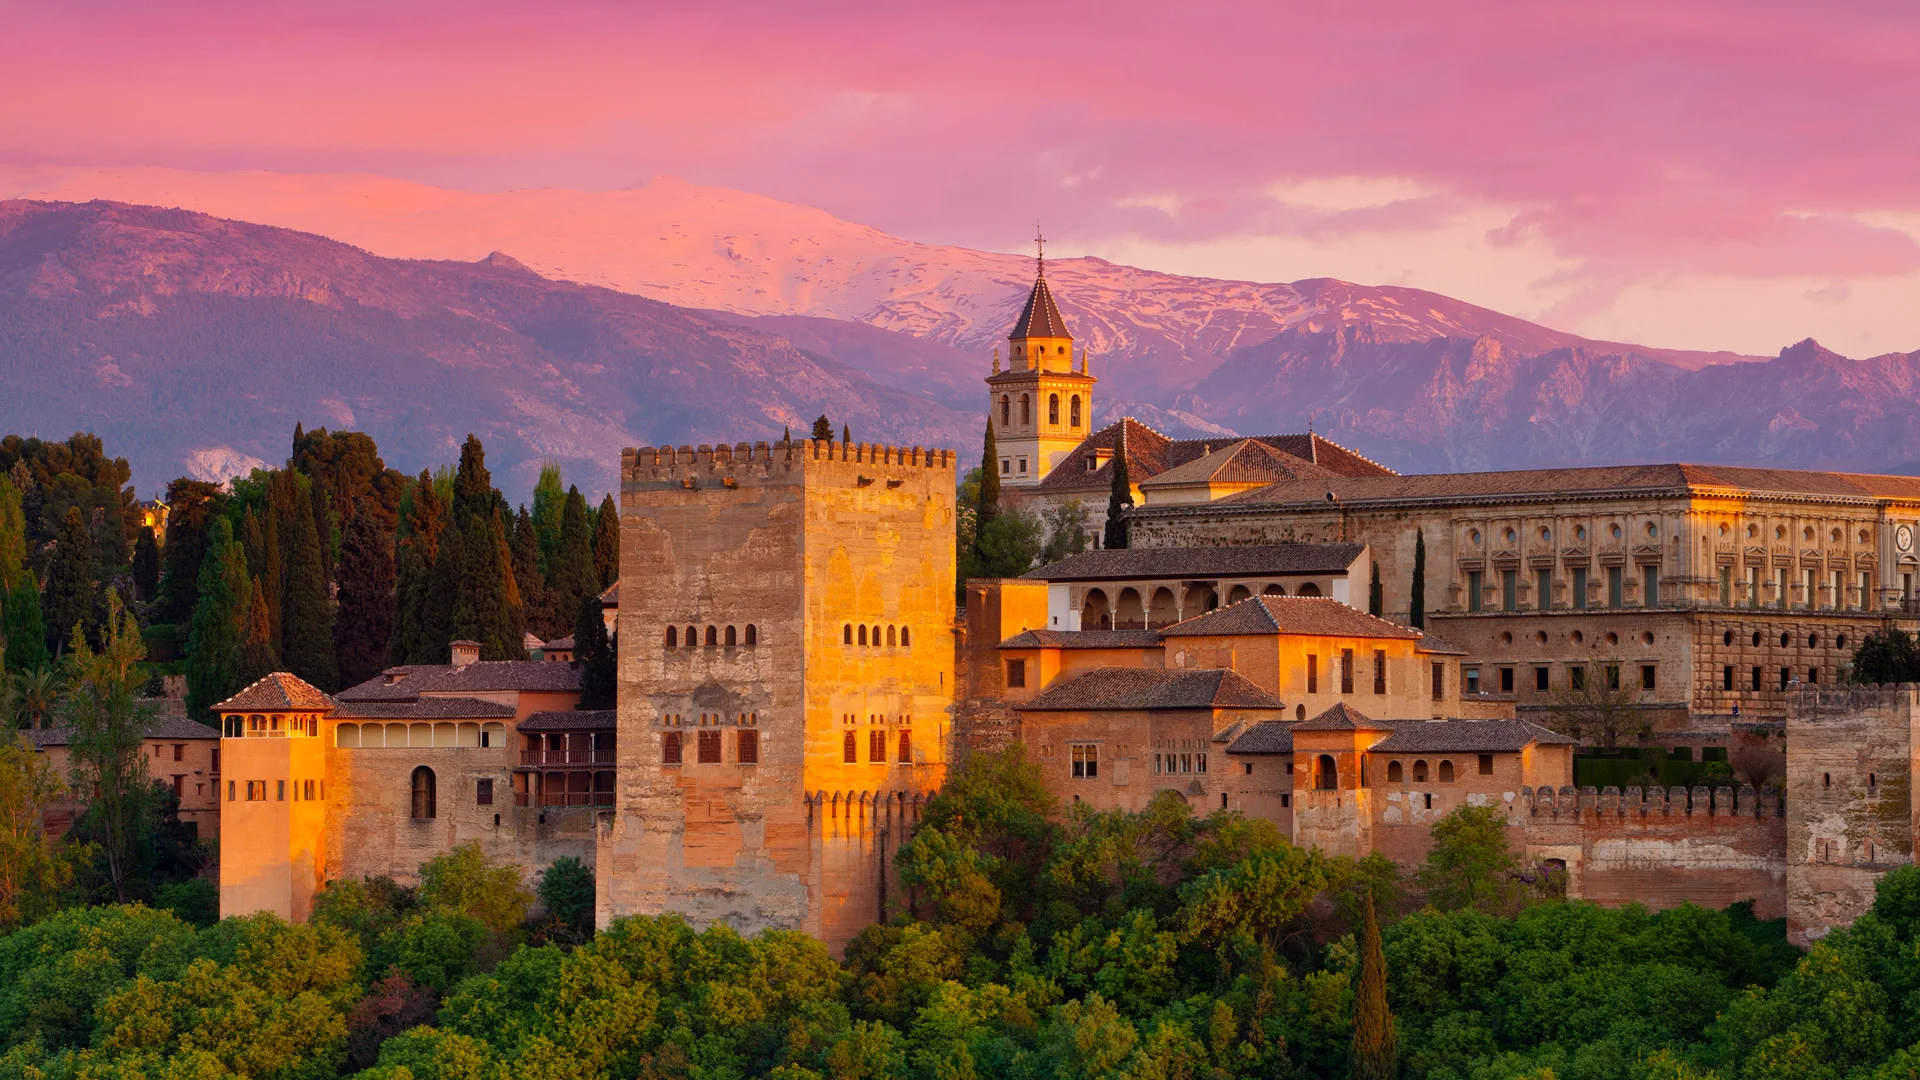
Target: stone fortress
{"points": [[795, 675]]}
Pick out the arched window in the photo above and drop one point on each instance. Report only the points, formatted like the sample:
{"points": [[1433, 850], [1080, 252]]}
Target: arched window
{"points": [[846, 634], [863, 634], [1309, 589], [423, 793], [1419, 772], [1299, 712], [1093, 612], [1026, 411], [876, 637], [1073, 411], [713, 635], [731, 642], [1394, 773], [753, 636], [1006, 410], [905, 641], [1326, 778], [693, 637], [1053, 408], [1274, 590], [673, 637], [890, 635], [1238, 593], [1446, 772]]}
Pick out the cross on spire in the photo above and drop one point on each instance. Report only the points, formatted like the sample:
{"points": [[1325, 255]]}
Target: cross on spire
{"points": [[1040, 250]]}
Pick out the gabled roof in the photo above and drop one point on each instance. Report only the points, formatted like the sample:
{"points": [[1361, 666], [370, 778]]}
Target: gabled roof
{"points": [[1467, 737], [1040, 318], [426, 708], [530, 641], [1265, 737], [278, 692], [1253, 560], [1248, 461], [560, 644], [1343, 717], [611, 597], [1138, 689], [1083, 639], [571, 720], [1150, 453], [479, 677], [1262, 615], [160, 727]]}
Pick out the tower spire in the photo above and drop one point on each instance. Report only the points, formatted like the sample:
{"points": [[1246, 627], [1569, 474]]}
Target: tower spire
{"points": [[1039, 251]]}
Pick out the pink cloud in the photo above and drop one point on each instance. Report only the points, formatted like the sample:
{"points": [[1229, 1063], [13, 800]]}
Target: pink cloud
{"points": [[1640, 137]]}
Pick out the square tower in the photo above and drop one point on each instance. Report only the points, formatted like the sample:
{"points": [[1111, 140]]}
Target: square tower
{"points": [[786, 678], [1041, 407], [273, 853]]}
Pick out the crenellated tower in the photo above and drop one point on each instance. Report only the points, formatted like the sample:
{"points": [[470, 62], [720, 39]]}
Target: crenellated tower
{"points": [[1041, 406]]}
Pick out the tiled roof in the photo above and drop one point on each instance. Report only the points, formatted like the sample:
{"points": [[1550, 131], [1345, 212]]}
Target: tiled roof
{"points": [[161, 727], [1152, 688], [480, 677], [1150, 453], [1431, 644], [278, 692], [1083, 639], [574, 720], [1343, 717], [1040, 318], [530, 641], [559, 644], [1261, 615], [1248, 461], [1466, 737], [426, 708], [1265, 737], [611, 597], [1256, 560]]}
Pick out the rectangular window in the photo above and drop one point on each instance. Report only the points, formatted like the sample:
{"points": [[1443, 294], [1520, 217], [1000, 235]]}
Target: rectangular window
{"points": [[215, 767], [1439, 680], [1200, 763], [1473, 590], [1616, 588], [1346, 671], [1812, 587], [1650, 585], [1472, 675], [229, 791], [1576, 678], [1780, 584], [179, 751], [670, 748], [1379, 671], [1486, 764], [1247, 768], [849, 748], [1813, 676], [1866, 589], [905, 755], [1786, 676], [1506, 680], [1186, 763], [707, 748], [1006, 466], [1016, 673], [1613, 676], [256, 791], [1023, 466], [1580, 588], [1756, 676], [1286, 801], [1543, 589], [1839, 594], [1509, 590], [1086, 761], [280, 791], [1156, 765], [309, 786], [1726, 677], [1753, 586], [876, 747], [1646, 676], [1726, 586], [296, 791], [747, 747], [1542, 678], [1313, 674], [483, 793]]}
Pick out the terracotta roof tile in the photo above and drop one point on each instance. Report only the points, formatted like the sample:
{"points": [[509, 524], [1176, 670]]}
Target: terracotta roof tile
{"points": [[160, 727], [1256, 560], [1266, 737], [1083, 639], [573, 720], [426, 708], [480, 677], [1467, 737], [1260, 615], [278, 692], [1343, 717], [1112, 688], [611, 597], [1151, 453]]}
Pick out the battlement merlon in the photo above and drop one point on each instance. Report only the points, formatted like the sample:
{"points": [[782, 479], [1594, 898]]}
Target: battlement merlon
{"points": [[734, 463], [1812, 702]]}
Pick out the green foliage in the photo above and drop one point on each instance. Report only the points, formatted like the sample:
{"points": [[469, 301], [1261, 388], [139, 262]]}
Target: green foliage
{"points": [[571, 577], [986, 504], [1066, 529], [13, 536], [306, 617], [146, 564], [1006, 546], [465, 882], [1470, 864], [1120, 498], [822, 429], [606, 543], [364, 623], [548, 497], [33, 870], [23, 626], [72, 592], [1889, 655], [1376, 596], [593, 652], [1375, 1050], [566, 890], [107, 721], [215, 636], [191, 507]]}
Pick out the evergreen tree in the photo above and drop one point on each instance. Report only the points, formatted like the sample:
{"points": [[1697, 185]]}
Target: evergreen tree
{"points": [[259, 656], [441, 592], [989, 503], [214, 632], [525, 543], [306, 617], [1120, 499], [822, 429], [26, 631], [606, 543], [593, 654], [1417, 609], [846, 436], [473, 494], [71, 590], [417, 549], [548, 496], [516, 621], [572, 577], [13, 536], [107, 722], [146, 564], [108, 522], [482, 611], [1376, 599], [1375, 1049], [364, 624], [191, 507], [786, 433]]}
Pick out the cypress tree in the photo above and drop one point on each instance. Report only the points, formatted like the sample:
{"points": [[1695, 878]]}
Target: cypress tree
{"points": [[987, 507], [572, 577], [13, 536], [593, 654], [822, 429], [417, 550], [606, 543], [214, 633], [1120, 499], [71, 591], [1375, 1049], [515, 627], [440, 594], [258, 656], [846, 436], [146, 564], [548, 495], [472, 485], [1376, 599], [306, 618], [109, 523], [191, 505], [481, 613], [1417, 609], [365, 621], [26, 632], [527, 577]]}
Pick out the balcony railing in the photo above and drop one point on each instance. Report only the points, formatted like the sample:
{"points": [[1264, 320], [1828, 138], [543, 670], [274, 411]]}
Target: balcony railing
{"points": [[566, 757], [563, 798]]}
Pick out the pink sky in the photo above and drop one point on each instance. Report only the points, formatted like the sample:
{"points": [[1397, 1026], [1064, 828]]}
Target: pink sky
{"points": [[1732, 175]]}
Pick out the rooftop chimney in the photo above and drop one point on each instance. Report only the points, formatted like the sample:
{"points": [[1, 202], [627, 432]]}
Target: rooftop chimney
{"points": [[465, 652]]}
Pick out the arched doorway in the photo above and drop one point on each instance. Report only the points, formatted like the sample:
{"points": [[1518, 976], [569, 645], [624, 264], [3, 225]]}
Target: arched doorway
{"points": [[1094, 613], [1127, 612], [1238, 593], [1325, 776], [1162, 612]]}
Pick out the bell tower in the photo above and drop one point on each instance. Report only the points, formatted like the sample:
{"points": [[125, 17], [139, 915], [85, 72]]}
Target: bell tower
{"points": [[1041, 406]]}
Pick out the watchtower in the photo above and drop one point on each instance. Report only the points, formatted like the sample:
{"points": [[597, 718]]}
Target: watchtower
{"points": [[274, 808], [1041, 407]]}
